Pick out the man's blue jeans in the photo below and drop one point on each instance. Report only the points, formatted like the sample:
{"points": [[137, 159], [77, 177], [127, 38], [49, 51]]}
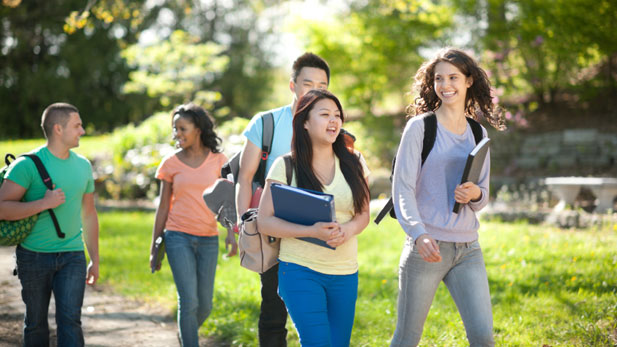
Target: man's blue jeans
{"points": [[64, 274], [193, 263], [463, 271]]}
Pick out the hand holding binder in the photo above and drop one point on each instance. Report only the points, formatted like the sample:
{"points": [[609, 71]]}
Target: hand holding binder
{"points": [[473, 166], [303, 206]]}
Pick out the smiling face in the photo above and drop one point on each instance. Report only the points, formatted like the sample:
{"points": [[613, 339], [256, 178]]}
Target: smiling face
{"points": [[324, 122], [185, 132], [72, 131], [451, 84], [308, 78]]}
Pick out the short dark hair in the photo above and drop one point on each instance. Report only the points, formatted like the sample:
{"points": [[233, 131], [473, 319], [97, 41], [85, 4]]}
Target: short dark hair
{"points": [[56, 113], [309, 59], [201, 120]]}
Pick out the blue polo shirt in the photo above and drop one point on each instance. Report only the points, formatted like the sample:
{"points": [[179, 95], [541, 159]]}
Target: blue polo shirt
{"points": [[283, 131]]}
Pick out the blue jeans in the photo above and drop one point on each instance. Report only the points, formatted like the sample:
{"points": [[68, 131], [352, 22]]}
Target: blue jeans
{"points": [[321, 306], [463, 271], [40, 274], [193, 264]]}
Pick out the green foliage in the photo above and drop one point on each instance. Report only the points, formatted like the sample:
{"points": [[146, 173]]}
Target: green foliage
{"points": [[136, 153], [377, 138], [543, 48], [41, 64], [548, 286], [174, 70], [373, 49]]}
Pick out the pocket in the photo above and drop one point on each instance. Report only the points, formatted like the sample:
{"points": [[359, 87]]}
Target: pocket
{"points": [[25, 257]]}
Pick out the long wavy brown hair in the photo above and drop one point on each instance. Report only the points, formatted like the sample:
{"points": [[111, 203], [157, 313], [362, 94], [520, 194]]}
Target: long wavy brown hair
{"points": [[302, 152], [478, 101]]}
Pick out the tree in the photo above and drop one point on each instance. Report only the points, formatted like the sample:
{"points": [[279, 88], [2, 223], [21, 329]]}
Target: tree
{"points": [[373, 49], [541, 48], [41, 64], [173, 70]]}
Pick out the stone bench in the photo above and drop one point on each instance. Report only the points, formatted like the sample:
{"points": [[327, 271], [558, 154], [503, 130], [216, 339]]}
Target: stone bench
{"points": [[567, 189]]}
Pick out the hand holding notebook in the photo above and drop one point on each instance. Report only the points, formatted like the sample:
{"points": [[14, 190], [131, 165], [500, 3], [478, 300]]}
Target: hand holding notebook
{"points": [[473, 166], [303, 206]]}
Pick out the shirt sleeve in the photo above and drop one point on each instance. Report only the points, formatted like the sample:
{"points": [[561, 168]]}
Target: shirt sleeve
{"points": [[365, 168], [163, 172], [483, 181], [277, 171], [254, 130], [406, 172], [21, 171], [90, 184]]}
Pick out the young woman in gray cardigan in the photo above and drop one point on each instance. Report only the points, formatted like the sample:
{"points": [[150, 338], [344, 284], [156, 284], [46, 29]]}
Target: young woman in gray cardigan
{"points": [[442, 245]]}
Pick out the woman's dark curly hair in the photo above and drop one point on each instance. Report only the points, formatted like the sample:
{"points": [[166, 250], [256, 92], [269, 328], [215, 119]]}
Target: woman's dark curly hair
{"points": [[478, 101], [202, 120]]}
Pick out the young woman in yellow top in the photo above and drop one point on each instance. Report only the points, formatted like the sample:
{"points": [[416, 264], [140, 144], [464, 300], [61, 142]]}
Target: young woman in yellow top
{"points": [[319, 285]]}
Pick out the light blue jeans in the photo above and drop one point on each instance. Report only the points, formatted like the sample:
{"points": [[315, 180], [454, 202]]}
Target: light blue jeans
{"points": [[193, 264], [463, 271]]}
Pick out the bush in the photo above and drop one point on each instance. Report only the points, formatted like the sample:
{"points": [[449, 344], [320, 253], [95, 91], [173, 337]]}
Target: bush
{"points": [[136, 153]]}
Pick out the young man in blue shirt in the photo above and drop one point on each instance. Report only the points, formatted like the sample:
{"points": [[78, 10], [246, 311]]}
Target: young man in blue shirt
{"points": [[309, 72]]}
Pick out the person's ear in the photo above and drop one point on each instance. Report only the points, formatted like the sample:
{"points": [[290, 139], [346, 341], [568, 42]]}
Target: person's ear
{"points": [[292, 85], [57, 129], [469, 81]]}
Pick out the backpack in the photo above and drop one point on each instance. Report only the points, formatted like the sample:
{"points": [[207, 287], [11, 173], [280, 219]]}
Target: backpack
{"points": [[232, 166], [258, 252], [430, 133], [14, 232]]}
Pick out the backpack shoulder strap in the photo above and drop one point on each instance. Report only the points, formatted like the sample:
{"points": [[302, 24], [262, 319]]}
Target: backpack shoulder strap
{"points": [[288, 168], [49, 184], [476, 129], [430, 133], [266, 146]]}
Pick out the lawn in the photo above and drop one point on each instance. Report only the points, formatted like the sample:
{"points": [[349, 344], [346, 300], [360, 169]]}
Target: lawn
{"points": [[549, 286], [88, 146]]}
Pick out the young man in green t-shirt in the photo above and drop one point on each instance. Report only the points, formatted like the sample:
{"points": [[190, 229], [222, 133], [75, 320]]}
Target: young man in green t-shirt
{"points": [[46, 262]]}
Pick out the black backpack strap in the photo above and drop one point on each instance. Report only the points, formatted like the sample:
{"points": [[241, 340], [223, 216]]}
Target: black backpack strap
{"points": [[8, 158], [476, 129], [266, 146], [49, 184], [288, 168], [430, 133]]}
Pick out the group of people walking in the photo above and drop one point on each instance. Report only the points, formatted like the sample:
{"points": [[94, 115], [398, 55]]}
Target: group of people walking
{"points": [[315, 285]]}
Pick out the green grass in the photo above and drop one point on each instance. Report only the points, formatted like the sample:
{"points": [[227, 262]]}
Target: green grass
{"points": [[548, 286], [88, 146]]}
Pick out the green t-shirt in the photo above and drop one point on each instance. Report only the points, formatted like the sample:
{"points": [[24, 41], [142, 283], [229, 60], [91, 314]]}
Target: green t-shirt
{"points": [[74, 176]]}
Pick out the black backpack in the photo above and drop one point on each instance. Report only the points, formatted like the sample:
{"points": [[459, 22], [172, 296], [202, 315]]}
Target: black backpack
{"points": [[232, 166], [430, 133]]}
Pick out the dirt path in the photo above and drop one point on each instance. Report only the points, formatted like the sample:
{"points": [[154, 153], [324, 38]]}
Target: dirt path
{"points": [[107, 319]]}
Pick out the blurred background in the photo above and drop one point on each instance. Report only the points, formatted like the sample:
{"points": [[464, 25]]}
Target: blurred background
{"points": [[126, 64]]}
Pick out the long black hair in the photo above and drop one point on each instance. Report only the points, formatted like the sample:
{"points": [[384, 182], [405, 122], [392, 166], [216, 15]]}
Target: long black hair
{"points": [[201, 120], [478, 100], [302, 152]]}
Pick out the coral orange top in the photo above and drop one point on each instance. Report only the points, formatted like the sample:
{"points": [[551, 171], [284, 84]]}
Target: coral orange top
{"points": [[188, 212]]}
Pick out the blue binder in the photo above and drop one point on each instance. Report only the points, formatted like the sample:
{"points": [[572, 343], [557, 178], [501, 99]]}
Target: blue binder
{"points": [[303, 206]]}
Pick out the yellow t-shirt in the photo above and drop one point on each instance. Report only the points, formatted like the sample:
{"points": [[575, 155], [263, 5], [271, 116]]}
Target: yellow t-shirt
{"points": [[341, 261]]}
